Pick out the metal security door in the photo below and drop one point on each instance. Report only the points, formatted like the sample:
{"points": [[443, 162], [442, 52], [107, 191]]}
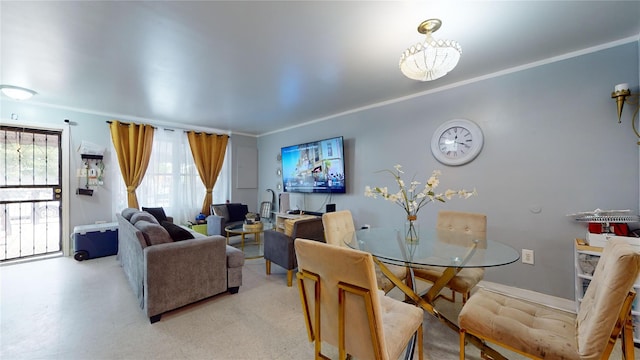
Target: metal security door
{"points": [[30, 192]]}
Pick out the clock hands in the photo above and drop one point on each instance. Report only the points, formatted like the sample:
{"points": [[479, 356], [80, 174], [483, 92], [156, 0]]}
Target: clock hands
{"points": [[455, 141]]}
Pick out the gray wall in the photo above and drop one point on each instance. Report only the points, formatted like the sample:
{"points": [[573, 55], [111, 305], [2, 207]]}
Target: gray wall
{"points": [[552, 142], [243, 195]]}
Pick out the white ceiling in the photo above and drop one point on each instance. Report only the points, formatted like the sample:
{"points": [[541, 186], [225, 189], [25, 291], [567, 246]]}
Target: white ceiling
{"points": [[259, 66]]}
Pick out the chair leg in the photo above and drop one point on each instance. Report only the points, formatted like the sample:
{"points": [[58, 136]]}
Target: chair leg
{"points": [[420, 345], [627, 340], [267, 264], [289, 277], [462, 336]]}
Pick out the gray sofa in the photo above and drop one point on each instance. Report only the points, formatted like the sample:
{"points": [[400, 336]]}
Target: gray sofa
{"points": [[166, 274], [223, 215]]}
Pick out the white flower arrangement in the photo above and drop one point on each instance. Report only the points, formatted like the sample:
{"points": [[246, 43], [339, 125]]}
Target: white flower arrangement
{"points": [[412, 199]]}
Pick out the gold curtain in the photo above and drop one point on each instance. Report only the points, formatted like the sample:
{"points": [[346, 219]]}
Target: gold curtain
{"points": [[208, 153], [133, 144]]}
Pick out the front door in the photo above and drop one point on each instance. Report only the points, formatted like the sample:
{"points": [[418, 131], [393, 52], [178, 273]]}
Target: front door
{"points": [[30, 192]]}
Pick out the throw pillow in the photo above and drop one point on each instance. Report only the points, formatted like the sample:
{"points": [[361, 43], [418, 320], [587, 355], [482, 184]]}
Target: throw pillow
{"points": [[128, 213], [177, 232], [237, 211], [153, 233], [157, 213], [221, 210], [143, 216]]}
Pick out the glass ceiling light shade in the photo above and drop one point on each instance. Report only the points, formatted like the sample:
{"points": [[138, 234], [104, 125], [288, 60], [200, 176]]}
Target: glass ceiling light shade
{"points": [[431, 59], [16, 92]]}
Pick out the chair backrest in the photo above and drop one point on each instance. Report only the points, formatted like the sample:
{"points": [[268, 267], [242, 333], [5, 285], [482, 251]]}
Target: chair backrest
{"points": [[450, 224], [614, 276], [324, 272], [465, 222], [336, 226], [308, 228]]}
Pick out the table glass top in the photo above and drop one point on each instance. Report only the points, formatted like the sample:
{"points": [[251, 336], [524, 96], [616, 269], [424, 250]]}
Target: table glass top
{"points": [[239, 228], [435, 248]]}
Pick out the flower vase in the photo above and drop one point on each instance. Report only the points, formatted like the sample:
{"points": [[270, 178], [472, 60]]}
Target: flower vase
{"points": [[412, 229]]}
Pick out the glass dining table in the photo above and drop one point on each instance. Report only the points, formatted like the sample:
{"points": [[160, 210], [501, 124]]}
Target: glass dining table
{"points": [[453, 251]]}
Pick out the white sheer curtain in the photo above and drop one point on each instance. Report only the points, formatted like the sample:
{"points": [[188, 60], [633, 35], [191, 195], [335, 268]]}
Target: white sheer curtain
{"points": [[172, 180]]}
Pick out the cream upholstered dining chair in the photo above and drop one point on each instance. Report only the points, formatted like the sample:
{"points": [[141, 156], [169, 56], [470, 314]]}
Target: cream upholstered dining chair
{"points": [[541, 332], [344, 308], [471, 224], [340, 223]]}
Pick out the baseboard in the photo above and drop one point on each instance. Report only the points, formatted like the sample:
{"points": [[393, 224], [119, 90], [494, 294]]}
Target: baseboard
{"points": [[548, 300]]}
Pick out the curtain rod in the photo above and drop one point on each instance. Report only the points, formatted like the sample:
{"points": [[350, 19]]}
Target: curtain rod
{"points": [[125, 123], [168, 129], [201, 132]]}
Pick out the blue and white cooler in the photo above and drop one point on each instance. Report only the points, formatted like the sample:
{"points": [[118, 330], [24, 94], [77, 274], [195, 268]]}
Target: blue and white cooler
{"points": [[95, 240]]}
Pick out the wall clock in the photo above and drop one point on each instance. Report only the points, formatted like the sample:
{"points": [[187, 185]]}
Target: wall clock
{"points": [[457, 142]]}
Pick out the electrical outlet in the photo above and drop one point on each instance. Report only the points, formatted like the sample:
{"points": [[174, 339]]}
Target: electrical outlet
{"points": [[527, 256]]}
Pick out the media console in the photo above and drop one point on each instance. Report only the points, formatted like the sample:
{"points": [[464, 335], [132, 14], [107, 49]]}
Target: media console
{"points": [[304, 212]]}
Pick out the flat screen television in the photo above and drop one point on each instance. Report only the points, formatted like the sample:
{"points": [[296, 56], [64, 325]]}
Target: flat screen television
{"points": [[314, 167]]}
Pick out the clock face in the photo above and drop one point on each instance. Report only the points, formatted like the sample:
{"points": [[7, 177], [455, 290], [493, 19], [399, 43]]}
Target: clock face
{"points": [[457, 142]]}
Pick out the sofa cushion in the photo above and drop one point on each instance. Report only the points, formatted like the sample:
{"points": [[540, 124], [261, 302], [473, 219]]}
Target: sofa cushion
{"points": [[153, 233], [237, 211], [157, 213], [143, 215], [176, 232], [221, 210], [128, 213]]}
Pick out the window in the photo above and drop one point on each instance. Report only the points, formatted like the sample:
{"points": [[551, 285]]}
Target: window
{"points": [[172, 180]]}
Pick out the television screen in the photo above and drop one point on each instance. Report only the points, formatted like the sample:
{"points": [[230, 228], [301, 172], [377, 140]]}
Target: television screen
{"points": [[315, 167]]}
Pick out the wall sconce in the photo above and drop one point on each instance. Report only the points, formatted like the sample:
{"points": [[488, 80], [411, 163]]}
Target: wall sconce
{"points": [[622, 94]]}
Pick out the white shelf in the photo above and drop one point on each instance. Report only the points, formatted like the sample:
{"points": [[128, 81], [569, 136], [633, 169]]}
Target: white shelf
{"points": [[608, 219]]}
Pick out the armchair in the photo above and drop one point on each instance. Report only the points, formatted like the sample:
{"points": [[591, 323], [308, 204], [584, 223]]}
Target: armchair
{"points": [[542, 332], [279, 246], [223, 215]]}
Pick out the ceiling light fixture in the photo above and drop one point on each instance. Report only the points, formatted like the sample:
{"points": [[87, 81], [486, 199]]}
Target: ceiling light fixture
{"points": [[431, 59], [16, 92], [622, 94]]}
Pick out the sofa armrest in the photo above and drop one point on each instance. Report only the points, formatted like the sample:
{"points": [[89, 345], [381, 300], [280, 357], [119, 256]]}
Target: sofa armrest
{"points": [[183, 272], [215, 225]]}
